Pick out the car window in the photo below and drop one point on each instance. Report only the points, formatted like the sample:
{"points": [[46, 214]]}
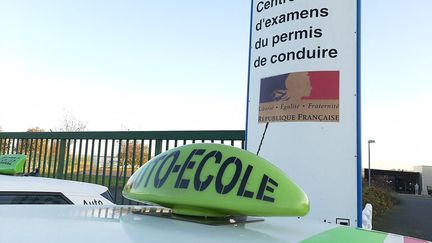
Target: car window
{"points": [[108, 196], [33, 198]]}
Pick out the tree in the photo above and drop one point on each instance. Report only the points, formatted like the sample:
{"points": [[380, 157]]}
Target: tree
{"points": [[133, 156], [2, 142], [70, 123], [35, 129], [34, 148], [38, 144], [26, 145]]}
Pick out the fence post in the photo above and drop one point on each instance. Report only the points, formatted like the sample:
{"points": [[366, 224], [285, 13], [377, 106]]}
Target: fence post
{"points": [[17, 146], [158, 148], [60, 166]]}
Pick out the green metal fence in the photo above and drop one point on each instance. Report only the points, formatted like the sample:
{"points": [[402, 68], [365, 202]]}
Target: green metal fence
{"points": [[105, 158]]}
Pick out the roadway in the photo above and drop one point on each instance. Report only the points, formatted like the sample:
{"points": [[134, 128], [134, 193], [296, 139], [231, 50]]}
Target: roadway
{"points": [[412, 217]]}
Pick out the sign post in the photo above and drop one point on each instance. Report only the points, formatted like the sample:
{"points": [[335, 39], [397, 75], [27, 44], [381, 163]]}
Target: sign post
{"points": [[304, 83]]}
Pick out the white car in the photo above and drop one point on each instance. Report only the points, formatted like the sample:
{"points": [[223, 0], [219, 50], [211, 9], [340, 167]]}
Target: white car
{"points": [[205, 193], [38, 190], [19, 189], [120, 224]]}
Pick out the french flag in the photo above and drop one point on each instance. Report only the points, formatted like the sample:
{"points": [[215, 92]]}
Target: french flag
{"points": [[319, 85]]}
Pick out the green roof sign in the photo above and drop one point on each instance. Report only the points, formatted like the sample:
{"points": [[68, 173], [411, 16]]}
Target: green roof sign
{"points": [[216, 180], [12, 164]]}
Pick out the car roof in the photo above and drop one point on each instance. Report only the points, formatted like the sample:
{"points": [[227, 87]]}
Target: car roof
{"points": [[108, 224], [56, 223], [40, 184]]}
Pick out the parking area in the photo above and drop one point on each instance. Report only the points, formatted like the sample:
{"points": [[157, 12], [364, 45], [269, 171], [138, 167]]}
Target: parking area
{"points": [[412, 217]]}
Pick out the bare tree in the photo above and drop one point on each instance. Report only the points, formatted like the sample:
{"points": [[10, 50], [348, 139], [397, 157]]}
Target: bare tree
{"points": [[70, 123]]}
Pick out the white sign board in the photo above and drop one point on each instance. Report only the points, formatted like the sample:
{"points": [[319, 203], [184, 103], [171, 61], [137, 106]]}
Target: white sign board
{"points": [[303, 83]]}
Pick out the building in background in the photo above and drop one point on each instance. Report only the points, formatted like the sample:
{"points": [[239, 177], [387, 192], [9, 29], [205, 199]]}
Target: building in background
{"points": [[398, 181], [425, 178]]}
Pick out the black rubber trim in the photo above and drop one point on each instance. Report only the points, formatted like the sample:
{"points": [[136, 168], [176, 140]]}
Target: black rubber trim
{"points": [[29, 193]]}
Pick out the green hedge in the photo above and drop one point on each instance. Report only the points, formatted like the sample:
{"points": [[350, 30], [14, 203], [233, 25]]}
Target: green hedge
{"points": [[380, 198]]}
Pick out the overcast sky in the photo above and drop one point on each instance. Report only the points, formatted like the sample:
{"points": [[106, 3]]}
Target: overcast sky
{"points": [[182, 65]]}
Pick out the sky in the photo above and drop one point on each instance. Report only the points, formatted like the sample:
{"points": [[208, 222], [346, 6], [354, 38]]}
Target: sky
{"points": [[182, 65]]}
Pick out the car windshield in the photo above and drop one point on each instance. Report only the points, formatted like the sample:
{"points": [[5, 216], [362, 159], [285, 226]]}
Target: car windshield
{"points": [[33, 198]]}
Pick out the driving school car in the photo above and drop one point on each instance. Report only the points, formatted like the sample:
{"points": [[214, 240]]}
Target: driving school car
{"points": [[36, 190], [204, 193]]}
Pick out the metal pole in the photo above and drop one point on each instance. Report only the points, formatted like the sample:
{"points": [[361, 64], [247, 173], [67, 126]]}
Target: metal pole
{"points": [[369, 170]]}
